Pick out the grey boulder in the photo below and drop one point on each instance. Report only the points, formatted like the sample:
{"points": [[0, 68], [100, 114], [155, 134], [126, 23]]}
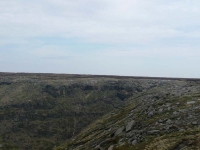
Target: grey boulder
{"points": [[130, 125], [119, 131]]}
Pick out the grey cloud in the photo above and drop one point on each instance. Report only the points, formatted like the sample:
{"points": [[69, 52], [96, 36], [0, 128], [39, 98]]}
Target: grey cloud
{"points": [[106, 21]]}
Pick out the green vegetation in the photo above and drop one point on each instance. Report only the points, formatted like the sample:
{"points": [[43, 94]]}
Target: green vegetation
{"points": [[44, 112]]}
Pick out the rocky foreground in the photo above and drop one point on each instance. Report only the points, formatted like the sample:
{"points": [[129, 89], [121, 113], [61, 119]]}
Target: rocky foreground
{"points": [[49, 111], [166, 116]]}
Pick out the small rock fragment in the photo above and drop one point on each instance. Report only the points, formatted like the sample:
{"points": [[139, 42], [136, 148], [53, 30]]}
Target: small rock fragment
{"points": [[160, 110], [111, 147], [194, 123], [191, 102], [119, 131], [130, 125], [150, 114], [169, 121], [134, 142], [175, 113], [152, 132]]}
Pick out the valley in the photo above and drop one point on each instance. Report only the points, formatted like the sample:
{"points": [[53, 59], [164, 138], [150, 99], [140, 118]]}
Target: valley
{"points": [[58, 111]]}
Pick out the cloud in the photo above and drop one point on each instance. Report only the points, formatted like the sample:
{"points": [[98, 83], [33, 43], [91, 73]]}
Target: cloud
{"points": [[49, 51], [97, 33], [100, 21]]}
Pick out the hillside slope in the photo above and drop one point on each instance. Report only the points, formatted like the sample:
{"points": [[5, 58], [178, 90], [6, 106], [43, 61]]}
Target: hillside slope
{"points": [[165, 117], [49, 111]]}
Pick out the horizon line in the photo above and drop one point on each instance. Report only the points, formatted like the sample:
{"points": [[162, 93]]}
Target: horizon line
{"points": [[101, 75]]}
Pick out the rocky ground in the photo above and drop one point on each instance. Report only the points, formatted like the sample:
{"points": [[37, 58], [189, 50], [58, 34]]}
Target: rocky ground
{"points": [[163, 117], [49, 111]]}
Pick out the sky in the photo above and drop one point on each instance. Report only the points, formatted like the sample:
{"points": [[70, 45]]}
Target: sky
{"points": [[108, 37]]}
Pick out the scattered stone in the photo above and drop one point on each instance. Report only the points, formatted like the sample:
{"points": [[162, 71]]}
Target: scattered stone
{"points": [[191, 102], [128, 134], [168, 105], [182, 110], [160, 110], [153, 132], [131, 114], [150, 114], [194, 123], [169, 108], [134, 142], [181, 130], [169, 121], [111, 147], [175, 113], [97, 147], [119, 131], [121, 140], [130, 125]]}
